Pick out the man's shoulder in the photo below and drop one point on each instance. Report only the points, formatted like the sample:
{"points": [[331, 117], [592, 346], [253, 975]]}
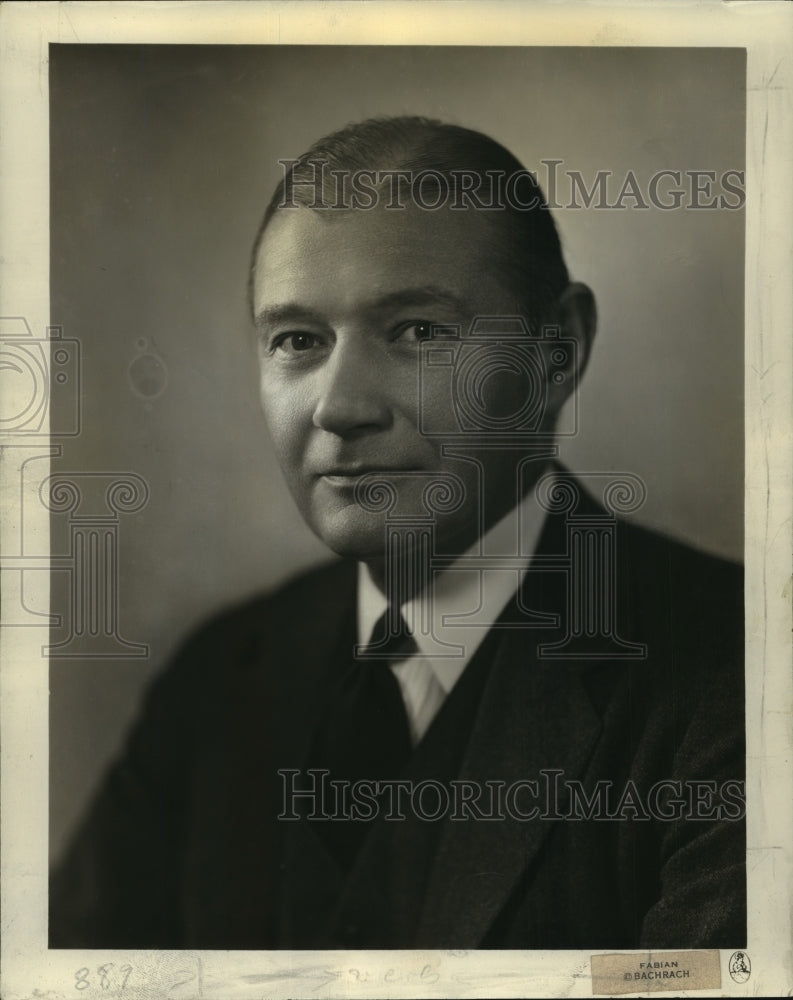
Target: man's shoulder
{"points": [[674, 571], [671, 595], [244, 653], [237, 635], [686, 605], [319, 590], [681, 561], [648, 552]]}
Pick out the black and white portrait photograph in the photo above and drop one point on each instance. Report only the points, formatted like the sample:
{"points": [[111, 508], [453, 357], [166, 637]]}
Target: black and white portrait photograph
{"points": [[395, 521]]}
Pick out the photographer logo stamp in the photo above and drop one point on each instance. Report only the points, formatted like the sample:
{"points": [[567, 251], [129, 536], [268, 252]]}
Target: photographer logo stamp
{"points": [[740, 967]]}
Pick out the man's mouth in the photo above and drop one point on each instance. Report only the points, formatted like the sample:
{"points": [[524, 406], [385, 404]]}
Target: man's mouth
{"points": [[346, 475]]}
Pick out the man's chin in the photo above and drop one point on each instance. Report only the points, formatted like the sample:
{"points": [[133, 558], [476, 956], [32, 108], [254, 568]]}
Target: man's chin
{"points": [[357, 534], [353, 534]]}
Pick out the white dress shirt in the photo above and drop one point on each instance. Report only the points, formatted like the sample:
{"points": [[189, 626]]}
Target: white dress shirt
{"points": [[464, 604]]}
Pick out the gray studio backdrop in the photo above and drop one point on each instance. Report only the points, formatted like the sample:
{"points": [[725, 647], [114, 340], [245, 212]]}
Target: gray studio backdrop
{"points": [[162, 160]]}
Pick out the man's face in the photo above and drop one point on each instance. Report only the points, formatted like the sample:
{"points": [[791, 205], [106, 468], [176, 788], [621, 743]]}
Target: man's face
{"points": [[342, 301]]}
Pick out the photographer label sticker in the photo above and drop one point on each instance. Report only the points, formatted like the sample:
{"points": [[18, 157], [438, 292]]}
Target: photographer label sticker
{"points": [[651, 972]]}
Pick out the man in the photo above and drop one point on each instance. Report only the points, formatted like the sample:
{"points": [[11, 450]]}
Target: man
{"points": [[505, 719]]}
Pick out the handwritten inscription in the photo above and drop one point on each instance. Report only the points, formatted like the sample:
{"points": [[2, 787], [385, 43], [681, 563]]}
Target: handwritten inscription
{"points": [[428, 975], [171, 976], [108, 977]]}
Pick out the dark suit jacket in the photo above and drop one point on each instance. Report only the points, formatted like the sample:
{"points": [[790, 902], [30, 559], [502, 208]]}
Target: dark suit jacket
{"points": [[182, 847]]}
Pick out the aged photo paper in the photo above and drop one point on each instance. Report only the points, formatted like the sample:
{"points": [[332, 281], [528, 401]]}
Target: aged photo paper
{"points": [[199, 408]]}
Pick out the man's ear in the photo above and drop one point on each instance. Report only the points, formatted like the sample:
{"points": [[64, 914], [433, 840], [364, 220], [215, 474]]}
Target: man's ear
{"points": [[576, 315]]}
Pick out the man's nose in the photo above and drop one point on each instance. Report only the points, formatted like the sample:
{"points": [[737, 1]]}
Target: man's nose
{"points": [[353, 397]]}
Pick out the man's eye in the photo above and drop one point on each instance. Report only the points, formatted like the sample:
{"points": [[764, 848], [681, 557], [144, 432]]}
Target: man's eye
{"points": [[415, 331], [295, 343]]}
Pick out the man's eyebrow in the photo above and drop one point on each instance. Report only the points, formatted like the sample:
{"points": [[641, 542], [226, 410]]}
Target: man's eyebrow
{"points": [[286, 313], [422, 295]]}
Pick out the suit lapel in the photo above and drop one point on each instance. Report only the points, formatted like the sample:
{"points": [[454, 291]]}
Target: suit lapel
{"points": [[534, 716]]}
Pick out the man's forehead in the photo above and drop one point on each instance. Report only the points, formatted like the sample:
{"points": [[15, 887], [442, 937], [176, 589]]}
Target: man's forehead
{"points": [[415, 297], [299, 230], [379, 252]]}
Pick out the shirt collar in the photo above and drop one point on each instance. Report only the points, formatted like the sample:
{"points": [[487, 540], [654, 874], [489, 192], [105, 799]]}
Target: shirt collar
{"points": [[479, 595]]}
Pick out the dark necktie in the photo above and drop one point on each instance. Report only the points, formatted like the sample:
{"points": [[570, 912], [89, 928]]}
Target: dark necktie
{"points": [[364, 734]]}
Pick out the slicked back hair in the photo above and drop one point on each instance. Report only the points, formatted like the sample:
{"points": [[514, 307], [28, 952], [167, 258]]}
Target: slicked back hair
{"points": [[525, 244]]}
